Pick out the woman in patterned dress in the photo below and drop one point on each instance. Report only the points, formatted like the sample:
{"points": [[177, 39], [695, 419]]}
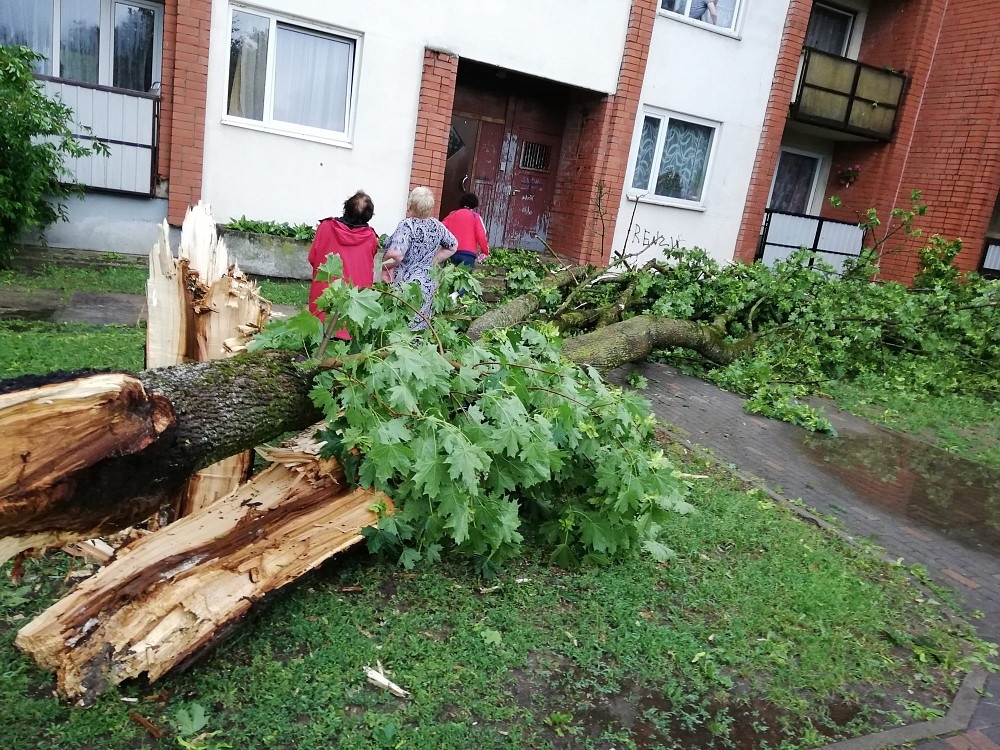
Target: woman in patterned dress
{"points": [[419, 242]]}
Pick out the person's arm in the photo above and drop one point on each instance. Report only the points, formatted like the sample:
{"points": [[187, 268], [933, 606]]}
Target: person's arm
{"points": [[481, 240], [318, 251], [713, 12], [447, 247]]}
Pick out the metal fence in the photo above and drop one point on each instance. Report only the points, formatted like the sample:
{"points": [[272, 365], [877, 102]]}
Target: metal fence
{"points": [[784, 233], [126, 121]]}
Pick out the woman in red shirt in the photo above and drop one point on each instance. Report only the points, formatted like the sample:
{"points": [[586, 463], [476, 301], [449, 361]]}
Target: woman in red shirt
{"points": [[468, 229]]}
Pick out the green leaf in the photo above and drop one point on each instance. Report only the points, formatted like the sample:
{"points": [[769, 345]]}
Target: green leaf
{"points": [[491, 637], [656, 550]]}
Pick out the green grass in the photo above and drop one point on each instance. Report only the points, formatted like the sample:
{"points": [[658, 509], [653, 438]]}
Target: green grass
{"points": [[964, 425], [132, 281], [760, 618], [34, 348]]}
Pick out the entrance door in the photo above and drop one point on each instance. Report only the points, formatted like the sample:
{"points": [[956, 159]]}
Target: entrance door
{"points": [[504, 147]]}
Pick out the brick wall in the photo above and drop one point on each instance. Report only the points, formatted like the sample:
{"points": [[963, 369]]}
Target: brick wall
{"points": [[792, 38], [186, 33], [437, 97], [948, 142], [594, 158]]}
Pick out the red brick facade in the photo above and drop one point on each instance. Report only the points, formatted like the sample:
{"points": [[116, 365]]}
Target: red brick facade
{"points": [[792, 38], [186, 33], [947, 140], [437, 96]]}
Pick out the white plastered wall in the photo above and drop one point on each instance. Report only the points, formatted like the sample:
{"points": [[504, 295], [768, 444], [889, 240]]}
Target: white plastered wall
{"points": [[719, 78], [276, 177]]}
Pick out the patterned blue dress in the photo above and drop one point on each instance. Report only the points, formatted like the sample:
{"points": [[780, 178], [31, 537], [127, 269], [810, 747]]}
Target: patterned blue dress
{"points": [[419, 240]]}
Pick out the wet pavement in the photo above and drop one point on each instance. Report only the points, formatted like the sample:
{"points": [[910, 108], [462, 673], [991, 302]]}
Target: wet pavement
{"points": [[915, 501]]}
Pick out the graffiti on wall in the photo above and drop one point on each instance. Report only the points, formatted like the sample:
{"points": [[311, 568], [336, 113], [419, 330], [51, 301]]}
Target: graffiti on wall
{"points": [[645, 238]]}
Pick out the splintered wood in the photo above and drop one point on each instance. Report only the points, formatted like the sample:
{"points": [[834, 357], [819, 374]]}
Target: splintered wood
{"points": [[168, 595], [201, 307], [94, 417]]}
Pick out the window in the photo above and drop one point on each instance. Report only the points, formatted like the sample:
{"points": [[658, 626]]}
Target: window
{"points": [[794, 182], [719, 13], [829, 29], [107, 42], [673, 157], [289, 77]]}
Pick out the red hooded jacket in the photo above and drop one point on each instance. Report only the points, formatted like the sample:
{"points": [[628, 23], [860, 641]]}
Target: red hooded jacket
{"points": [[356, 247]]}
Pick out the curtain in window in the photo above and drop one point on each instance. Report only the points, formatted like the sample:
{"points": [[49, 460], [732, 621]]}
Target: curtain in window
{"points": [[828, 30], [28, 24], [647, 152], [248, 65], [793, 182], [312, 79], [684, 160], [134, 45]]}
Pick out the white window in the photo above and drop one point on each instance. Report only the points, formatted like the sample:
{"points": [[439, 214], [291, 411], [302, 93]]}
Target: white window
{"points": [[673, 157], [106, 42], [722, 14], [291, 78]]}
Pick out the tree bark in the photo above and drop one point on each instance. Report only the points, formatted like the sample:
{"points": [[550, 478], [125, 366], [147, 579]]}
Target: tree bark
{"points": [[169, 595], [220, 408]]}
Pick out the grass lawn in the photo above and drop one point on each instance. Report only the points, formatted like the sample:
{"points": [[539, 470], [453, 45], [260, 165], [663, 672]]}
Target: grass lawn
{"points": [[763, 632]]}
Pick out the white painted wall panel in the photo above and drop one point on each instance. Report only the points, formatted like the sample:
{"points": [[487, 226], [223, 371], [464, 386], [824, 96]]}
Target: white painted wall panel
{"points": [[693, 70]]}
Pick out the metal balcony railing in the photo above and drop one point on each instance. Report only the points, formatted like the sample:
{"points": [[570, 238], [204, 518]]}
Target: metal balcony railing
{"points": [[784, 233], [989, 266], [126, 121], [847, 96]]}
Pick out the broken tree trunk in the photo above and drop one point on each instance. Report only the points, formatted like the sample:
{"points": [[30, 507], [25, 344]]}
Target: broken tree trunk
{"points": [[168, 595], [201, 307], [218, 408]]}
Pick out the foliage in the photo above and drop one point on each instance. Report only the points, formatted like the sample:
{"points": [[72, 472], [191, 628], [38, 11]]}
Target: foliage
{"points": [[470, 439], [304, 232], [523, 268], [35, 139]]}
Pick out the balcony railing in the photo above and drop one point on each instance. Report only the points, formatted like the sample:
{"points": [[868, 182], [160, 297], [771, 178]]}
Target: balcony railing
{"points": [[126, 121], [847, 96], [784, 233], [989, 266]]}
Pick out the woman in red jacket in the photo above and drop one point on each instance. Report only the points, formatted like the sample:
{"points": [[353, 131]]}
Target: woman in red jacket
{"points": [[468, 229], [353, 240]]}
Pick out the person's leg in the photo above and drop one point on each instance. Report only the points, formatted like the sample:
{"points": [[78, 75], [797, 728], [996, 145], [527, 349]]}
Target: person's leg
{"points": [[464, 257]]}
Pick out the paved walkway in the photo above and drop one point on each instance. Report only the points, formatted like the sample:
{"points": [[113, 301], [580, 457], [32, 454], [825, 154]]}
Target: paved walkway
{"points": [[957, 549], [899, 506]]}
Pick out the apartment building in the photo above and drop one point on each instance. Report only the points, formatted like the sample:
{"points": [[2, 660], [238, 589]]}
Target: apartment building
{"points": [[593, 127]]}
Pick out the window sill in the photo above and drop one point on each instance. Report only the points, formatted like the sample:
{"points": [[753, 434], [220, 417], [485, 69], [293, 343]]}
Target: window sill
{"points": [[656, 200], [315, 136], [686, 20]]}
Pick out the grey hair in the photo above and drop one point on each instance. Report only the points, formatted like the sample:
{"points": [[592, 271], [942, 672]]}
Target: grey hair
{"points": [[421, 202]]}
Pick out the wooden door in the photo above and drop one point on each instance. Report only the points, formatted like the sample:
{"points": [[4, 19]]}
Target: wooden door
{"points": [[463, 140], [532, 183]]}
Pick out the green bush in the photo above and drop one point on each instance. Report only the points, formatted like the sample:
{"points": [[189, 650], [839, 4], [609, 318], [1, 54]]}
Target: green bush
{"points": [[35, 138]]}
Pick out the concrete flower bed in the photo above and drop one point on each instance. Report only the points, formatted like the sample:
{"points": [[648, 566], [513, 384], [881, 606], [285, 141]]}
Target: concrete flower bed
{"points": [[267, 255]]}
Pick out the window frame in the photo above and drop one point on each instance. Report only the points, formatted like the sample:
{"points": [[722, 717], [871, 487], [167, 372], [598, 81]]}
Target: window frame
{"points": [[734, 31], [106, 50], [822, 167], [649, 195], [852, 16], [280, 127]]}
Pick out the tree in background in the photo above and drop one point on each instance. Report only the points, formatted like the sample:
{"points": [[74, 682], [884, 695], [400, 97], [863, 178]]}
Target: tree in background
{"points": [[35, 141]]}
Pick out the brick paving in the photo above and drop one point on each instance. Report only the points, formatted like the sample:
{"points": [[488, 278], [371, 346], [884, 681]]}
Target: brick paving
{"points": [[955, 554]]}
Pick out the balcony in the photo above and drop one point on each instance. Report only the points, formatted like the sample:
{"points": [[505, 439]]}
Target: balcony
{"points": [[846, 96], [125, 120], [784, 233]]}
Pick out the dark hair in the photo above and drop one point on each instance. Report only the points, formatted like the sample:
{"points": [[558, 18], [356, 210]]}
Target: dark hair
{"points": [[468, 200], [359, 209]]}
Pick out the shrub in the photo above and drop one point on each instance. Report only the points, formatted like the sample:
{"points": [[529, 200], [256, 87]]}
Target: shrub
{"points": [[35, 138]]}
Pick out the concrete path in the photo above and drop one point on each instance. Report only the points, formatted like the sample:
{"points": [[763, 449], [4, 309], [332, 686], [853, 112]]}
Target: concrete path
{"points": [[958, 551]]}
